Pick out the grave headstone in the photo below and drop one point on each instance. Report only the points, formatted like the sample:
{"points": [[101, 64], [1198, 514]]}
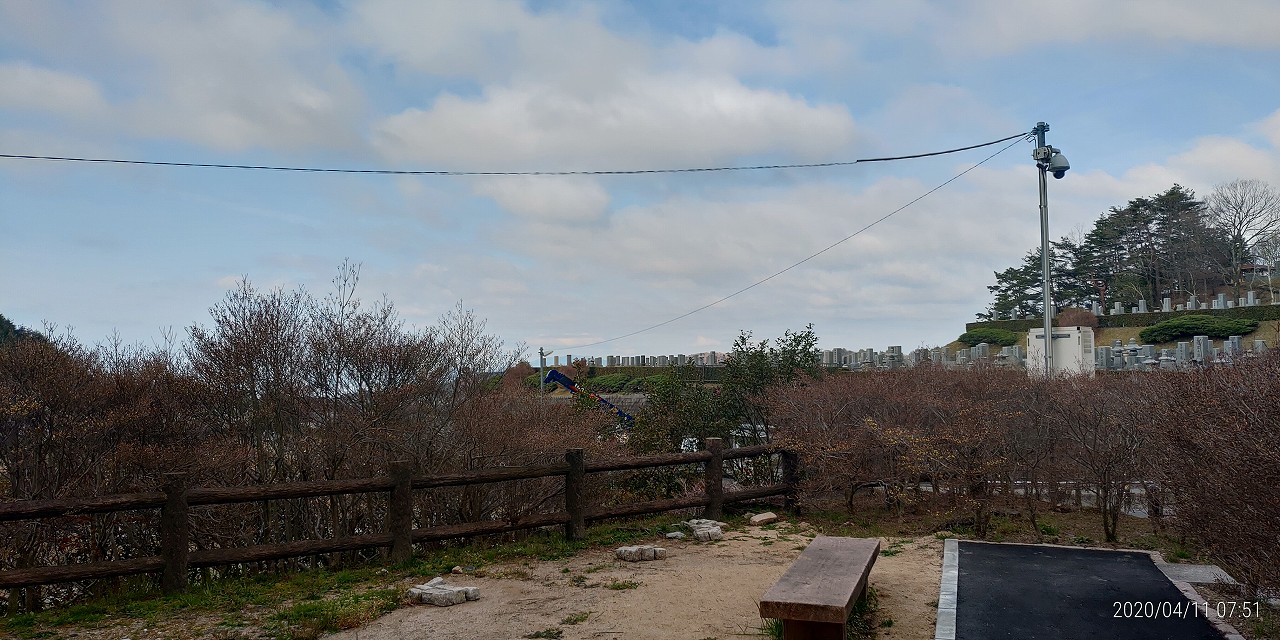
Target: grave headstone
{"points": [[1102, 357], [1166, 305], [1201, 348], [1259, 346], [1183, 353], [1251, 299], [1221, 301], [1142, 306]]}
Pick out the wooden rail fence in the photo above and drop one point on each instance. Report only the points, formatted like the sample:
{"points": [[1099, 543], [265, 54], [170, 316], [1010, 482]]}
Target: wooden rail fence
{"points": [[177, 558]]}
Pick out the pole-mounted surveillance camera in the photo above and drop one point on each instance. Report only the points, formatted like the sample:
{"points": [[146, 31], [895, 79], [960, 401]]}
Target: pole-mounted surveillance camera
{"points": [[1058, 164], [1051, 159]]}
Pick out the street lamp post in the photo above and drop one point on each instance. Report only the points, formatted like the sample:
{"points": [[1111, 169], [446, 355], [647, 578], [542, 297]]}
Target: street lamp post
{"points": [[1048, 160], [542, 364]]}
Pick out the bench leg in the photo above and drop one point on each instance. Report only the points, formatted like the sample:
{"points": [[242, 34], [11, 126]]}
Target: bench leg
{"points": [[806, 630]]}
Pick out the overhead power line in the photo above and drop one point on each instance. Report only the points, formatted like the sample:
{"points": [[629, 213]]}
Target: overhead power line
{"points": [[405, 172], [1021, 136]]}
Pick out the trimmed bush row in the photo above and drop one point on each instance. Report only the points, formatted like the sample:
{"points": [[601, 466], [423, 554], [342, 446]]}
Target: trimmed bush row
{"points": [[1197, 325], [1002, 337]]}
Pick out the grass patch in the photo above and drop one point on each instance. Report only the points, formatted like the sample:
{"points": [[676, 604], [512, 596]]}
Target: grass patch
{"points": [[895, 547], [549, 632], [311, 618], [576, 618], [622, 585]]}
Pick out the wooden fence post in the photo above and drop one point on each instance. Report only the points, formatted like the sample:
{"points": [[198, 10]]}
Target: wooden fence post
{"points": [[400, 511], [175, 533], [576, 528], [715, 480], [791, 478]]}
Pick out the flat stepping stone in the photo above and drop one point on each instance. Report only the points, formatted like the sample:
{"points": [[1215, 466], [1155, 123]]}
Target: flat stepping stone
{"points": [[1195, 573]]}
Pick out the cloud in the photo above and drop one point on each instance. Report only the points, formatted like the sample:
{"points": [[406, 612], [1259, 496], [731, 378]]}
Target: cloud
{"points": [[36, 89], [228, 75], [1269, 127], [228, 281], [557, 198], [238, 75], [999, 26], [650, 121], [488, 41]]}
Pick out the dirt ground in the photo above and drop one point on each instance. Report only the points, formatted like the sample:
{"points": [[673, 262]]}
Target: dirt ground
{"points": [[701, 591]]}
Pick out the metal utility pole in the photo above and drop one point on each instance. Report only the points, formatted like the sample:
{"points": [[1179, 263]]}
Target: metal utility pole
{"points": [[1048, 160], [542, 365]]}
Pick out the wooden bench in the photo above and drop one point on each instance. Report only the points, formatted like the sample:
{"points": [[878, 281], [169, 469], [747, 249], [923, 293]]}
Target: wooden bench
{"points": [[814, 597]]}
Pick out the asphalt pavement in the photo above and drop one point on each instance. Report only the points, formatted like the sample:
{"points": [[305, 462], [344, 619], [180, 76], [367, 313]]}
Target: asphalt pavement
{"points": [[1026, 592]]}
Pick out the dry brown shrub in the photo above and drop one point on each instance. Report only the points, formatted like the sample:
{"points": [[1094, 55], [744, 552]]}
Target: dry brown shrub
{"points": [[1218, 438], [1075, 317]]}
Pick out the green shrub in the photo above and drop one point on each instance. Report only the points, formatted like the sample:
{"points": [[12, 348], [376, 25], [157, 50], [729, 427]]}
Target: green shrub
{"points": [[647, 383], [612, 383], [1197, 325], [1001, 337]]}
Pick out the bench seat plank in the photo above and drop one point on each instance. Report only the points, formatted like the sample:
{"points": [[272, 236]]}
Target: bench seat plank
{"points": [[824, 582]]}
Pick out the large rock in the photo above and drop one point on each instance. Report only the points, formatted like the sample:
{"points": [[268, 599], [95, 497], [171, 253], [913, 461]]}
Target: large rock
{"points": [[640, 553], [767, 517], [440, 594], [706, 530]]}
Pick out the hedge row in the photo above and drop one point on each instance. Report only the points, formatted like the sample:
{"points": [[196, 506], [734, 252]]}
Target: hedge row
{"points": [[1197, 325], [1259, 313]]}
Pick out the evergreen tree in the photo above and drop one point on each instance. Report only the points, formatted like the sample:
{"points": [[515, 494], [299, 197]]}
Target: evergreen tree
{"points": [[1162, 246], [10, 332]]}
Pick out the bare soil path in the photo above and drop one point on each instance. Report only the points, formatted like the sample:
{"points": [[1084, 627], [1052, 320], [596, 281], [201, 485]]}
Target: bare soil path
{"points": [[701, 591]]}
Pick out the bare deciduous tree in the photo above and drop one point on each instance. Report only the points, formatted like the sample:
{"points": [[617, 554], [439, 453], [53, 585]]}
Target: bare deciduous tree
{"points": [[1247, 211]]}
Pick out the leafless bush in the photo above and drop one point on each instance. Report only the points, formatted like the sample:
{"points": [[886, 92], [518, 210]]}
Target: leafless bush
{"points": [[281, 386], [1206, 442], [1219, 439], [1104, 438], [1075, 317]]}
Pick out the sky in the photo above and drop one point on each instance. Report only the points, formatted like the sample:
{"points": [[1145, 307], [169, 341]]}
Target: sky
{"points": [[1139, 95]]}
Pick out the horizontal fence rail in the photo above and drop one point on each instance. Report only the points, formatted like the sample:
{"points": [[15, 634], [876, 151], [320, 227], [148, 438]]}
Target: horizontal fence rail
{"points": [[177, 558]]}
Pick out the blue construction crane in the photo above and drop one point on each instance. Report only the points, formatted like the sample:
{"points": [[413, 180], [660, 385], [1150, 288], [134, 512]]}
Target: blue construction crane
{"points": [[561, 379]]}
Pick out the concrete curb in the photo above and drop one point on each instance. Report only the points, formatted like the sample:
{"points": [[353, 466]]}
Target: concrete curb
{"points": [[945, 628], [1228, 632]]}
